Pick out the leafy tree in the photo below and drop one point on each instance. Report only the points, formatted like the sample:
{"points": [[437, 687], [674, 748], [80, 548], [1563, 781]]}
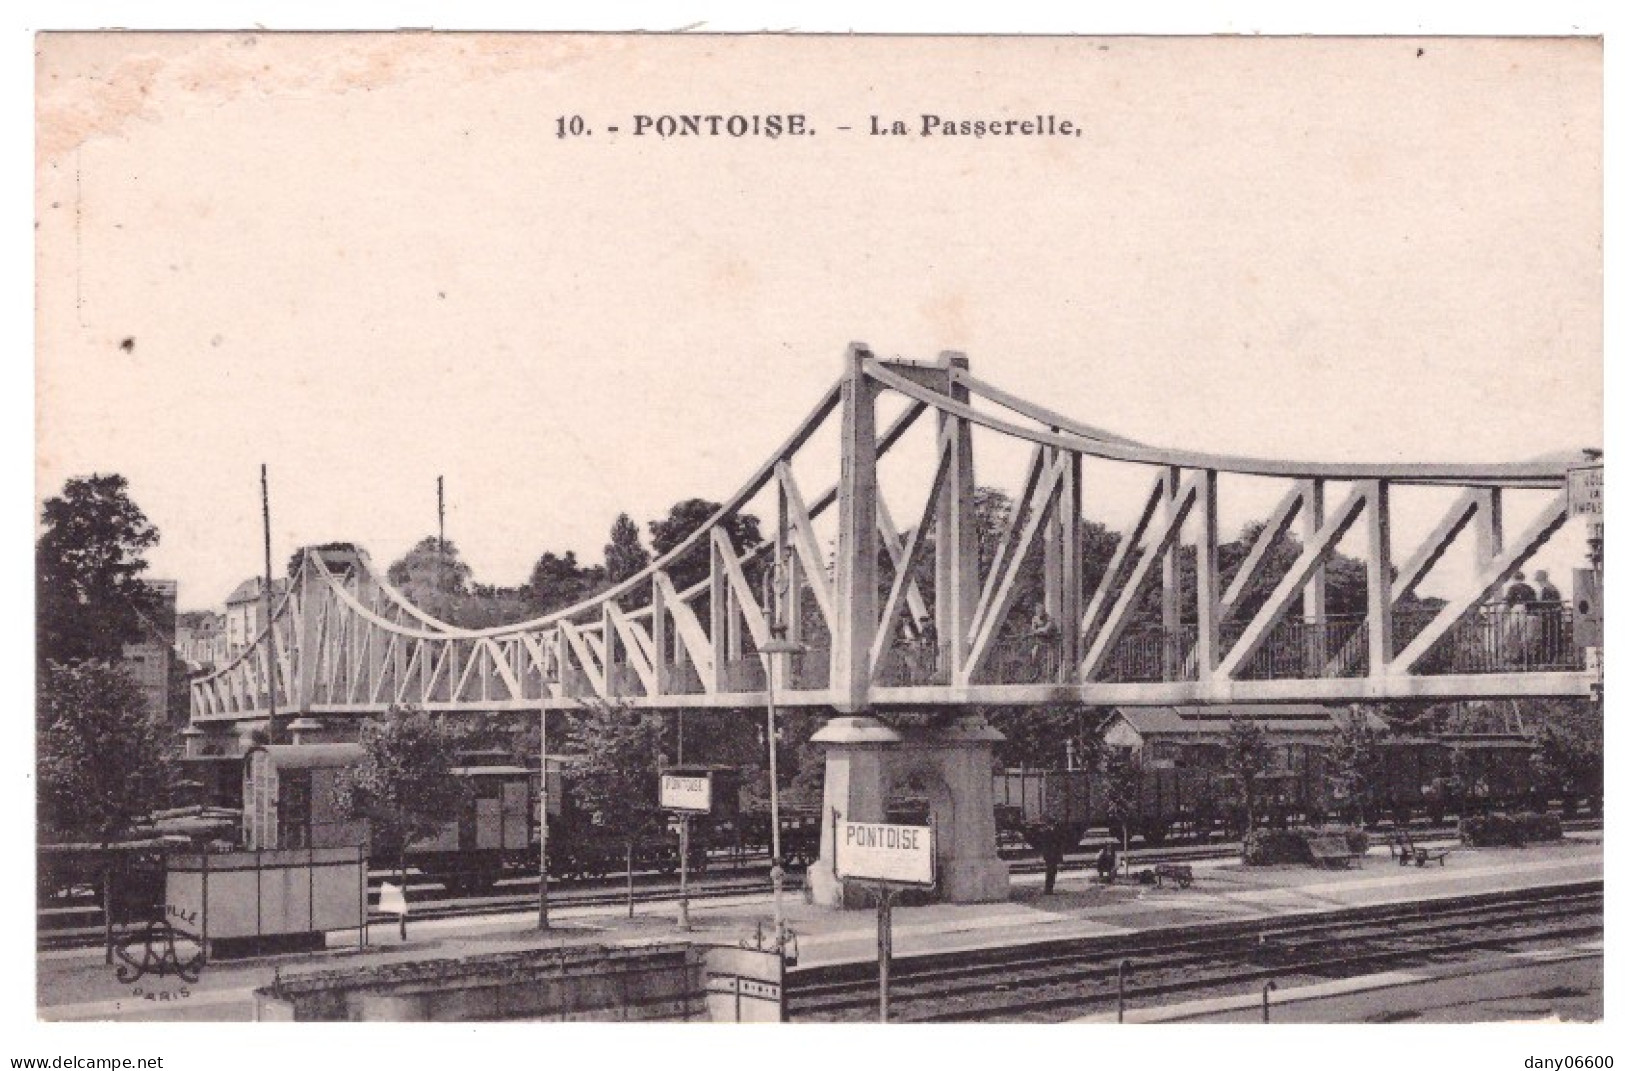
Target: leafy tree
{"points": [[296, 560], [1120, 775], [1568, 757], [1037, 737], [624, 554], [486, 605], [615, 780], [88, 565], [403, 784], [993, 509], [681, 521], [103, 760], [432, 576], [1246, 758], [557, 582], [1355, 757], [802, 778]]}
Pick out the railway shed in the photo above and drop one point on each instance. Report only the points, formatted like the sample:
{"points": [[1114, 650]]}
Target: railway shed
{"points": [[1175, 737]]}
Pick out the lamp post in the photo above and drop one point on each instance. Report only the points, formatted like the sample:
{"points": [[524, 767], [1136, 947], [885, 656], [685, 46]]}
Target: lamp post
{"points": [[778, 645], [541, 830]]}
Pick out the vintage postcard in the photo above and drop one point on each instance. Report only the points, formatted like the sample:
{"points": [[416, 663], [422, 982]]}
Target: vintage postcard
{"points": [[799, 528]]}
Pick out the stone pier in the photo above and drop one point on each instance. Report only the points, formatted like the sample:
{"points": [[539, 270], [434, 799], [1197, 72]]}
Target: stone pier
{"points": [[951, 763]]}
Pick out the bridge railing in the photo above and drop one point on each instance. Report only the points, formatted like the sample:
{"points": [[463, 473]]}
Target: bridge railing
{"points": [[912, 665], [1495, 639], [1152, 654], [744, 674], [1022, 660], [1508, 639], [807, 670], [683, 679], [624, 683]]}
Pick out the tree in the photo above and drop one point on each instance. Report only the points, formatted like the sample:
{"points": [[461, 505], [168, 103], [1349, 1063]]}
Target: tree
{"points": [[615, 779], [557, 582], [1120, 778], [403, 784], [1355, 757], [1246, 758], [296, 560], [624, 554], [1037, 737], [103, 761], [88, 565], [432, 576], [1568, 758], [683, 520]]}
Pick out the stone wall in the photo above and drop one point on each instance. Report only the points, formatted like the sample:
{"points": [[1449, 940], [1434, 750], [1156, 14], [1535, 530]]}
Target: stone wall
{"points": [[596, 983]]}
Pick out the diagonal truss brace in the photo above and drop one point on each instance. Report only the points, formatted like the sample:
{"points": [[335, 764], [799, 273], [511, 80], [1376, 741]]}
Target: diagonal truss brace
{"points": [[1489, 578], [1156, 546]]}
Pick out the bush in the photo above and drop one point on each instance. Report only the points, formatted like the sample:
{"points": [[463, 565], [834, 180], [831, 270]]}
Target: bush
{"points": [[1267, 847], [1358, 839], [1498, 829]]}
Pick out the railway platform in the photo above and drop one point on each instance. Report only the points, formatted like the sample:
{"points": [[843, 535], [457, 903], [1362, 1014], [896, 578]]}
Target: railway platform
{"points": [[76, 984]]}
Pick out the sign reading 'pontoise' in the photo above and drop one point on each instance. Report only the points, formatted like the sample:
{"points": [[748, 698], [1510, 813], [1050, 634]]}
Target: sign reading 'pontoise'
{"points": [[875, 851], [681, 793]]}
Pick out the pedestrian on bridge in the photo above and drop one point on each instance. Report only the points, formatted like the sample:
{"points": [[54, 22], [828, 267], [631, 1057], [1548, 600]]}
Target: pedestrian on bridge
{"points": [[1045, 634]]}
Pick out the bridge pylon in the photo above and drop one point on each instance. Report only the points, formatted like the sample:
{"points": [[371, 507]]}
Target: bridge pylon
{"points": [[875, 771]]}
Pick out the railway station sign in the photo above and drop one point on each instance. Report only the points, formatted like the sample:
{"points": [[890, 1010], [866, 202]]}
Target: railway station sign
{"points": [[878, 851], [685, 792], [1585, 492]]}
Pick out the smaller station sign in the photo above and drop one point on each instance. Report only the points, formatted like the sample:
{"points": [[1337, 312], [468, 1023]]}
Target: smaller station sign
{"points": [[686, 792], [1585, 492], [876, 851]]}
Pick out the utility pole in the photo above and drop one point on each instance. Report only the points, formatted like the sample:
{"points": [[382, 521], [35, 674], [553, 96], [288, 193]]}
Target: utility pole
{"points": [[272, 729], [541, 830], [440, 547]]}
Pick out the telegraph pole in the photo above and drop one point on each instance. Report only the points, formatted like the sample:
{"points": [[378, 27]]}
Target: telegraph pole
{"points": [[541, 830], [271, 726], [440, 505]]}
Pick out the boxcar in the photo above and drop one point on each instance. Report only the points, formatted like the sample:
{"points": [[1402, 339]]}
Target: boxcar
{"points": [[288, 802]]}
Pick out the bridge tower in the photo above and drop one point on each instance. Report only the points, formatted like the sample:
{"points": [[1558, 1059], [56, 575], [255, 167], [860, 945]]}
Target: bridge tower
{"points": [[946, 753]]}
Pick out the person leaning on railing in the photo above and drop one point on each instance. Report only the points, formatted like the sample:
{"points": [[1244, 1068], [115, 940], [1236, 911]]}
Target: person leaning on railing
{"points": [[1515, 626], [1548, 612], [1045, 634]]}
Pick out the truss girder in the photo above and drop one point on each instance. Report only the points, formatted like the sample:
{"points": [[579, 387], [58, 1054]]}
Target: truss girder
{"points": [[347, 641]]}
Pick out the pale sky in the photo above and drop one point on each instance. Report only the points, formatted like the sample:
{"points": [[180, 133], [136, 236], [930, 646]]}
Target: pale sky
{"points": [[368, 261]]}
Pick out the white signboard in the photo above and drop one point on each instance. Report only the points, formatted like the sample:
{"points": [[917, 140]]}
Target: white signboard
{"points": [[874, 851], [1585, 492], [678, 793]]}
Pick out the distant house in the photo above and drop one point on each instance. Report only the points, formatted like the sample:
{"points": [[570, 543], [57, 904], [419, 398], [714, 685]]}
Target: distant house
{"points": [[200, 639], [148, 661], [1192, 736], [245, 612]]}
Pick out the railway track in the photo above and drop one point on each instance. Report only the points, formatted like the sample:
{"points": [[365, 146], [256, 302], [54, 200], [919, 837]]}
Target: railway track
{"points": [[76, 922], [1060, 980], [91, 936]]}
